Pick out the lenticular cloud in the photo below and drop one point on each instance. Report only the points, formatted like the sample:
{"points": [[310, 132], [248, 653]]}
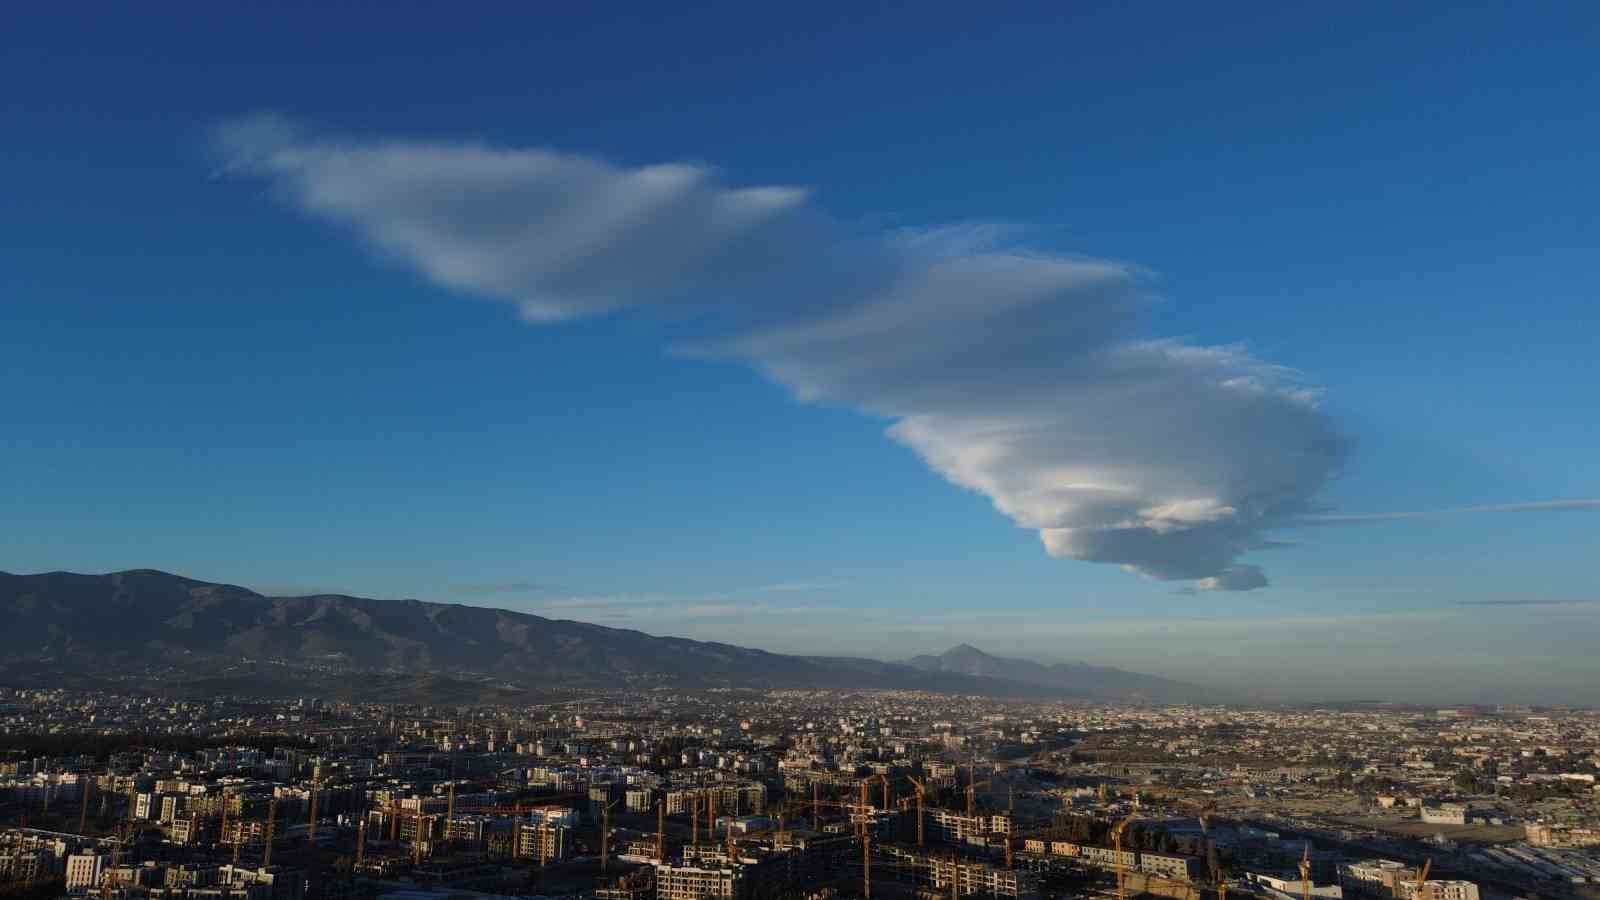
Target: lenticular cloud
{"points": [[1023, 376]]}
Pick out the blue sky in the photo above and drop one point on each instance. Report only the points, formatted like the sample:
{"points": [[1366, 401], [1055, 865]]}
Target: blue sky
{"points": [[205, 373]]}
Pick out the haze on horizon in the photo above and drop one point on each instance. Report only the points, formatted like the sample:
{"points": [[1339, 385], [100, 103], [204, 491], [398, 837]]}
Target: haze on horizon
{"points": [[1268, 363]]}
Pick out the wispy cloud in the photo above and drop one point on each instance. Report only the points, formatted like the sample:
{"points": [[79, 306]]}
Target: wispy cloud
{"points": [[799, 587], [1021, 374], [1533, 506], [1237, 578], [496, 588], [1528, 602]]}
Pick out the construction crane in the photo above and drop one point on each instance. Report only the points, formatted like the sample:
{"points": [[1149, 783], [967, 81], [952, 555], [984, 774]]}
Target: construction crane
{"points": [[605, 836], [1219, 877], [863, 832], [865, 807], [422, 827], [222, 826], [83, 811], [111, 879], [661, 832], [694, 820], [972, 795], [1213, 864], [866, 863], [311, 824], [1305, 872], [1116, 846], [449, 813], [1012, 837], [1422, 892], [361, 841], [921, 789], [272, 824], [1207, 810], [860, 806]]}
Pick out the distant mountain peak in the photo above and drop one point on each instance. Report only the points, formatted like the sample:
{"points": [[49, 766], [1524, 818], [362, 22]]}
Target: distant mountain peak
{"points": [[964, 650], [1075, 679]]}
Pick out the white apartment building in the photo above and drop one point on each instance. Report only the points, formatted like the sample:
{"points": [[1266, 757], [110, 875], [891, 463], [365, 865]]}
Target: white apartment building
{"points": [[83, 870], [694, 883]]}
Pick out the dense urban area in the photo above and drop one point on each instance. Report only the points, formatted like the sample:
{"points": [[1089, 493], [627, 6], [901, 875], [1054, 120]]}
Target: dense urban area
{"points": [[680, 795]]}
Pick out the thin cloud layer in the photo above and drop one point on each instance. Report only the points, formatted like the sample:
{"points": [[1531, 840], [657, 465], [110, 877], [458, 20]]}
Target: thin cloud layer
{"points": [[1021, 375], [1579, 505]]}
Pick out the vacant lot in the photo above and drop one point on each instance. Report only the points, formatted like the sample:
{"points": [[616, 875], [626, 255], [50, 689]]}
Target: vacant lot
{"points": [[1473, 834]]}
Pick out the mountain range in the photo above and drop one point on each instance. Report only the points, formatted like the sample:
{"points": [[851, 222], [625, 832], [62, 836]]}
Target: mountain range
{"points": [[1076, 678], [196, 637]]}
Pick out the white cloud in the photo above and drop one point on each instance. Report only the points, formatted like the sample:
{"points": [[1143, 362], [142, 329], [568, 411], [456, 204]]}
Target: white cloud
{"points": [[1532, 506], [1017, 374], [1238, 577]]}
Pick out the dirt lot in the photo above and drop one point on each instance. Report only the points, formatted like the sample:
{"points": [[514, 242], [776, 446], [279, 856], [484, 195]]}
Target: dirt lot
{"points": [[1472, 834]]}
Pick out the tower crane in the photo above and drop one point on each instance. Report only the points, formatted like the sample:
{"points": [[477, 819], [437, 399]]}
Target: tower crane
{"points": [[921, 789], [222, 826], [311, 824], [972, 795], [422, 828], [1422, 892], [1213, 864], [83, 811], [272, 824], [1013, 836], [866, 862], [1305, 872], [1219, 878], [694, 820], [862, 806], [449, 812], [865, 807], [1206, 811], [1116, 845], [661, 832], [605, 835]]}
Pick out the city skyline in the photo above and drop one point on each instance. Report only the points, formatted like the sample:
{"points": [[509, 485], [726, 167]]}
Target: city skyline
{"points": [[888, 337]]}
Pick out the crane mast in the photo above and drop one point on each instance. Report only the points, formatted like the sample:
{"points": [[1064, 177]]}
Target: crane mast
{"points": [[1305, 872], [272, 825]]}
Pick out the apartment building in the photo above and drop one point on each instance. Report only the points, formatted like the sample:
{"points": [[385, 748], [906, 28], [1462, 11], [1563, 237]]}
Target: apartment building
{"points": [[953, 826], [1169, 865], [695, 883], [84, 869]]}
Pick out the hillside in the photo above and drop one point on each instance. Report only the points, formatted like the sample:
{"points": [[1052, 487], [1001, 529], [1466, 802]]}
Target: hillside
{"points": [[202, 636]]}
